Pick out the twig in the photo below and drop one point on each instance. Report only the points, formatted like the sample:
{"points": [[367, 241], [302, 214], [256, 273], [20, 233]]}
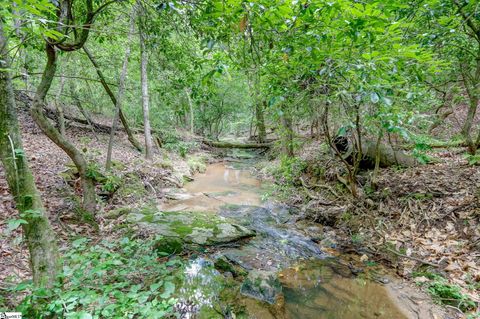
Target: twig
{"points": [[413, 258]]}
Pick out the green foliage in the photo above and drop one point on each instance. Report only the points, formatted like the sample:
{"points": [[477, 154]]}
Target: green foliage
{"points": [[290, 170], [446, 293], [94, 172], [111, 183], [113, 279], [473, 159]]}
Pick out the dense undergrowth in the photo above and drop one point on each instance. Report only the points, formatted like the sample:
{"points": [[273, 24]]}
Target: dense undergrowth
{"points": [[126, 278]]}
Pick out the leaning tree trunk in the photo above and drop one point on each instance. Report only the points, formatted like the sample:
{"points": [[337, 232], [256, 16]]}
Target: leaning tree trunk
{"points": [[121, 91], [144, 75], [44, 258], [59, 106], [88, 184], [105, 85]]}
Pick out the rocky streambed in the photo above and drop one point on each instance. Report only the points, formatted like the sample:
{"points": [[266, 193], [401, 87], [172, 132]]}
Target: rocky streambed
{"points": [[252, 260]]}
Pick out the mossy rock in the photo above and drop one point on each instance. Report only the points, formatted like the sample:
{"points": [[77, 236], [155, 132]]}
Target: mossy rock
{"points": [[191, 227]]}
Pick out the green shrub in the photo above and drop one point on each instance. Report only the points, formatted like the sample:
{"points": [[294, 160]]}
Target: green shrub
{"points": [[290, 169]]}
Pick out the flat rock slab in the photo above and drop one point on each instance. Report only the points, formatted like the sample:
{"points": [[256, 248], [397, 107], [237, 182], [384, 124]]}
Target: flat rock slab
{"points": [[191, 227]]}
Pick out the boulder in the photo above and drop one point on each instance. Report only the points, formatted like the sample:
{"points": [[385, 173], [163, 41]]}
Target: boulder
{"points": [[190, 227]]}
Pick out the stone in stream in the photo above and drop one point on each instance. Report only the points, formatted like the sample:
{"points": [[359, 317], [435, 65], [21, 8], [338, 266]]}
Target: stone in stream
{"points": [[189, 227], [263, 286]]}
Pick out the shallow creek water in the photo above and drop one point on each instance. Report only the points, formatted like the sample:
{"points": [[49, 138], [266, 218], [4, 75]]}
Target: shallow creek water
{"points": [[313, 284]]}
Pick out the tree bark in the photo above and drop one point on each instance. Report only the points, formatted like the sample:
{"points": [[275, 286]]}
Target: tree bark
{"points": [[144, 75], [288, 132], [59, 107], [121, 90], [190, 104], [105, 85], [88, 184], [40, 238]]}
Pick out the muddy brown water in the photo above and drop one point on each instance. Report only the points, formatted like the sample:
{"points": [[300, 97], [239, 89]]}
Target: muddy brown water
{"points": [[311, 287]]}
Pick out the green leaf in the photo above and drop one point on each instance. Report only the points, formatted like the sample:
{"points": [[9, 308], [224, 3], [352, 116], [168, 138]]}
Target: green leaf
{"points": [[85, 315], [169, 290], [14, 224]]}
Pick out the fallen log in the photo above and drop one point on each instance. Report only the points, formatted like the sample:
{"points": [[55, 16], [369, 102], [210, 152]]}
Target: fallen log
{"points": [[220, 144], [53, 114], [388, 156]]}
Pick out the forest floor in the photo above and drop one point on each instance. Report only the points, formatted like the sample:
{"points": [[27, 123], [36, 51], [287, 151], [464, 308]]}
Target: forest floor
{"points": [[423, 221]]}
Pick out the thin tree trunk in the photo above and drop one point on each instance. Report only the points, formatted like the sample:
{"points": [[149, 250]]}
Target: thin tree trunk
{"points": [[88, 184], [59, 106], [262, 134], [288, 132], [40, 238], [121, 90], [192, 118], [254, 83], [105, 85], [78, 104], [472, 86], [145, 97]]}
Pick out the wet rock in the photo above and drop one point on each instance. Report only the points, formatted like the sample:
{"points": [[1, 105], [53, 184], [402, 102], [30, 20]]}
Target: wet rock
{"points": [[263, 286], [189, 227], [227, 267], [176, 195]]}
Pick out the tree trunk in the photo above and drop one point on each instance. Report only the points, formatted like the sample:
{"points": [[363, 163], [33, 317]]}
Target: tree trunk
{"points": [[472, 86], [190, 104], [78, 104], [287, 132], [44, 258], [59, 106], [145, 97], [121, 90], [260, 119], [105, 85], [88, 184]]}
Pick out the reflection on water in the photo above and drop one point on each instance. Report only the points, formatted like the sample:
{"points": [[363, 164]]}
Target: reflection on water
{"points": [[201, 287], [320, 290], [220, 184]]}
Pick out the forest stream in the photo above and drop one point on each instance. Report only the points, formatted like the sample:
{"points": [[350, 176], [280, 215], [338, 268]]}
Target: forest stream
{"points": [[286, 266]]}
